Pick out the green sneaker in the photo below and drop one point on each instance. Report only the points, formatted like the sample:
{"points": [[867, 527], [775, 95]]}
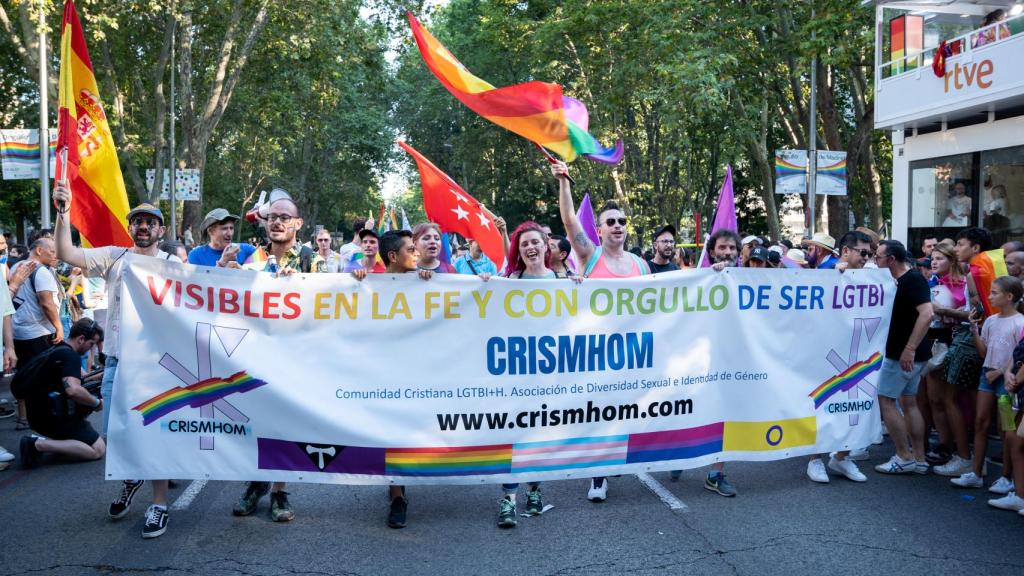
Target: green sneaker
{"points": [[280, 509], [534, 502], [717, 483], [253, 492], [507, 514]]}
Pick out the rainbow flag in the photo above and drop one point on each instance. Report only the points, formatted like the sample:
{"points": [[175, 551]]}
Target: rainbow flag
{"points": [[356, 263], [846, 379], [448, 461], [537, 111], [257, 260], [86, 156], [986, 267], [199, 394]]}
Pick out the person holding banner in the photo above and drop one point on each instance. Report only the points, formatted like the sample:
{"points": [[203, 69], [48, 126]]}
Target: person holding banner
{"points": [[221, 251], [371, 247], [560, 248], [399, 254], [427, 240], [283, 224], [609, 260], [146, 227], [854, 252]]}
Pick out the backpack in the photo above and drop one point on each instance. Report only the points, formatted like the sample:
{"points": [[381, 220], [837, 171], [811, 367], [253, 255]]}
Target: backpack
{"points": [[26, 377], [305, 259]]}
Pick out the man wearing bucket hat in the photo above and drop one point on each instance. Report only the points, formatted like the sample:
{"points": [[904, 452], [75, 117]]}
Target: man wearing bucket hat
{"points": [[219, 228], [146, 227], [821, 251]]}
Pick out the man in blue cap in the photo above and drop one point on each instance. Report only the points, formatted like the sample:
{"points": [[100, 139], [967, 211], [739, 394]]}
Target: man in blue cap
{"points": [[146, 228]]}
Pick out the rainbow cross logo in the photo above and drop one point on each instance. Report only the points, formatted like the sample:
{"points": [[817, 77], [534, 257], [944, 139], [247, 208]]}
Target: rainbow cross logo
{"points": [[853, 373], [202, 390]]}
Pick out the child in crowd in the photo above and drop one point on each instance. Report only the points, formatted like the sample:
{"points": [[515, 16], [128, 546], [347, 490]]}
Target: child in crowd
{"points": [[995, 342]]}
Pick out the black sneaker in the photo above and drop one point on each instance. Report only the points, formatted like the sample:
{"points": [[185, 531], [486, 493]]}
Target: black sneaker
{"points": [[30, 456], [253, 492], [280, 510], [396, 516], [507, 513], [119, 507], [156, 521], [938, 455], [534, 502]]}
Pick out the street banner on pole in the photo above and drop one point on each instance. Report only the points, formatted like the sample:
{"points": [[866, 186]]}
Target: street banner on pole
{"points": [[236, 375], [791, 172], [187, 180], [19, 153]]}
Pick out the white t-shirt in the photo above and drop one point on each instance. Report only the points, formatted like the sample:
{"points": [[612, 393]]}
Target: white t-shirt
{"points": [[29, 320], [6, 307], [1001, 336], [108, 262]]}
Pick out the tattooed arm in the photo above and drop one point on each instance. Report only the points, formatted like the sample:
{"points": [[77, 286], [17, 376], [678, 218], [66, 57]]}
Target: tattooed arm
{"points": [[582, 245]]}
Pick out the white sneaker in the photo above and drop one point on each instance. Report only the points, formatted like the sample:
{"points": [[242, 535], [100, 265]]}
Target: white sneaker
{"points": [[968, 480], [598, 494], [5, 458], [897, 465], [847, 468], [956, 466], [1009, 502], [816, 471], [1021, 512], [1002, 486], [859, 455], [922, 468]]}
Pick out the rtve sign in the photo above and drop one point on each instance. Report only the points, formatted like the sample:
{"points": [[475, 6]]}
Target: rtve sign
{"points": [[968, 74]]}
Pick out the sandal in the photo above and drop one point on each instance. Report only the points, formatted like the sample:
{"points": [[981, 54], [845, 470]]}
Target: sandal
{"points": [[21, 424]]}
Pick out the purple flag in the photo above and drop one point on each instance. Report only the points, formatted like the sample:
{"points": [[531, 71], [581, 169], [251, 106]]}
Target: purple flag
{"points": [[725, 214], [585, 214]]}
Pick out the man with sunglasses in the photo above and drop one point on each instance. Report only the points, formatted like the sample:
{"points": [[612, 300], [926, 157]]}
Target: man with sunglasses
{"points": [[322, 242], [854, 253], [664, 250], [609, 260], [58, 405], [146, 228]]}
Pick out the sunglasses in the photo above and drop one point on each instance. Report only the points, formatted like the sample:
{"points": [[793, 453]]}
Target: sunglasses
{"points": [[612, 221], [149, 222], [866, 254]]}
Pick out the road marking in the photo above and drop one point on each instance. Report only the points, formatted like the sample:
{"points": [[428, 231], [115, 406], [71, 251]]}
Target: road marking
{"points": [[661, 492], [190, 493]]}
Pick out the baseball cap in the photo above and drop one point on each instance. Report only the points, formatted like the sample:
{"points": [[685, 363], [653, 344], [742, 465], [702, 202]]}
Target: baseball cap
{"points": [[750, 239], [216, 216], [759, 253], [146, 209], [368, 232], [666, 228]]}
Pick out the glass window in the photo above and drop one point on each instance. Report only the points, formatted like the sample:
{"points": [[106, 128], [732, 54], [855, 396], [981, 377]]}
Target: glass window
{"points": [[1002, 195], [942, 192]]}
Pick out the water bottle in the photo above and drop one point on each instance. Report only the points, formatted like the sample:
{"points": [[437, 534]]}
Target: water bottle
{"points": [[272, 264], [1006, 420]]}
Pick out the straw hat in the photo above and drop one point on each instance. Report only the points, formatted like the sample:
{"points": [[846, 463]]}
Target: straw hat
{"points": [[797, 255], [824, 240]]}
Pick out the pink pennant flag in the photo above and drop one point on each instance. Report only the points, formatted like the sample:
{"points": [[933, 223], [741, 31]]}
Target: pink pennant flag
{"points": [[725, 214]]}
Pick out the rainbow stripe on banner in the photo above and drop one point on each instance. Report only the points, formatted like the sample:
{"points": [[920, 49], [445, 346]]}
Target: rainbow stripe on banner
{"points": [[783, 168], [196, 395], [846, 379], [448, 461], [569, 453], [838, 169], [19, 153], [676, 444]]}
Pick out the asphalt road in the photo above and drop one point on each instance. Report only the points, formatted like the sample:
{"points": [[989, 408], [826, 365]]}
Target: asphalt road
{"points": [[54, 522]]}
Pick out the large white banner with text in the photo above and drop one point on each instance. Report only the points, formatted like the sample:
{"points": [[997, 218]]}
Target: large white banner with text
{"points": [[237, 375]]}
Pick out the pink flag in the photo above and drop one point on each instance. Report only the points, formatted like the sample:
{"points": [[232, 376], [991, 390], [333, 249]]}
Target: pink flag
{"points": [[725, 214]]}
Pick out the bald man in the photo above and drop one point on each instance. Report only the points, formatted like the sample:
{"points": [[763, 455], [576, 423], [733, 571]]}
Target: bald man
{"points": [[1015, 264]]}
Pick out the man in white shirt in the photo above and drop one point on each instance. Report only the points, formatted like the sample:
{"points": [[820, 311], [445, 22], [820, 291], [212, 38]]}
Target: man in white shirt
{"points": [[146, 227]]}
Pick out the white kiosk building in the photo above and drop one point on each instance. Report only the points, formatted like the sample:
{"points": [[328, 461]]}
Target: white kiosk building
{"points": [[949, 87]]}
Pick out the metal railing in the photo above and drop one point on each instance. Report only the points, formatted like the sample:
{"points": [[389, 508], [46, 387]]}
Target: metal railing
{"points": [[958, 46]]}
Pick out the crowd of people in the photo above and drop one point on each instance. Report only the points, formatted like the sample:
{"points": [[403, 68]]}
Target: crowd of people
{"points": [[952, 361]]}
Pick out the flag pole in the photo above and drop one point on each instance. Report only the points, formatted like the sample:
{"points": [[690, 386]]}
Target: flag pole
{"points": [[553, 160], [44, 128], [174, 163]]}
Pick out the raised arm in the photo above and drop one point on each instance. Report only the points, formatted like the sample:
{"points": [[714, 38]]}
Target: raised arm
{"points": [[66, 251], [573, 229]]}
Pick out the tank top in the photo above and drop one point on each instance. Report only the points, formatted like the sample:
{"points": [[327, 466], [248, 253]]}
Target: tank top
{"points": [[601, 270]]}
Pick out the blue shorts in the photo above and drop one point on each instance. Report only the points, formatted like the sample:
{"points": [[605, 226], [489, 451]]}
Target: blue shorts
{"points": [[893, 382], [998, 387]]}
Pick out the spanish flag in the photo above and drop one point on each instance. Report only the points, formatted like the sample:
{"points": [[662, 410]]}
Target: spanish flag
{"points": [[86, 157]]}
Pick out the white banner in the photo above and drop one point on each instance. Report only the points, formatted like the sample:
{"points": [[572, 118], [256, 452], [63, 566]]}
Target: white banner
{"points": [[187, 180], [235, 375], [19, 153]]}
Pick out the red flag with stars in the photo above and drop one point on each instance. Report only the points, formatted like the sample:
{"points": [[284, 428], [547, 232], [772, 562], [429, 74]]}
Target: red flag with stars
{"points": [[452, 208]]}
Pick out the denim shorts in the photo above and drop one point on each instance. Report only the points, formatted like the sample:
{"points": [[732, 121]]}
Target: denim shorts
{"points": [[893, 382], [998, 387]]}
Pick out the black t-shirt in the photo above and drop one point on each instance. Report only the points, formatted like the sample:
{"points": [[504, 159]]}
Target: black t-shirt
{"points": [[911, 291], [655, 268], [62, 363]]}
